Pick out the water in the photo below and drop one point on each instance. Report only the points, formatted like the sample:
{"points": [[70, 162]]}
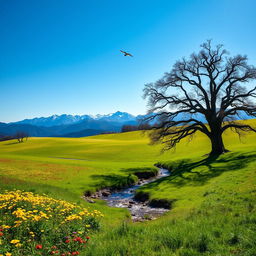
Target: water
{"points": [[139, 211]]}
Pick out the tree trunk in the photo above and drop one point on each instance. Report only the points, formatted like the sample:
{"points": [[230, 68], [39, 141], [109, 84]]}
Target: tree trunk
{"points": [[217, 143]]}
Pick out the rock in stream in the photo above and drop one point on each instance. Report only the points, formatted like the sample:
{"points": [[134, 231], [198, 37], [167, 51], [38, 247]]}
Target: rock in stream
{"points": [[140, 211]]}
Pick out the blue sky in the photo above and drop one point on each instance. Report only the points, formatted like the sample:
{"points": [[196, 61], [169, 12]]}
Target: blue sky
{"points": [[60, 56]]}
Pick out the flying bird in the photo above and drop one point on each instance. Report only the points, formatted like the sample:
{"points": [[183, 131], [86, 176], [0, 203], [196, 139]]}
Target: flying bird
{"points": [[126, 53]]}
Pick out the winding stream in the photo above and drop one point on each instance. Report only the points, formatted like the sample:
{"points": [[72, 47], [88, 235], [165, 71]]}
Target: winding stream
{"points": [[139, 211]]}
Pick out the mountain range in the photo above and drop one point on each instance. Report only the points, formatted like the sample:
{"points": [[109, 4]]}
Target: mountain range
{"points": [[77, 125], [69, 125], [56, 120]]}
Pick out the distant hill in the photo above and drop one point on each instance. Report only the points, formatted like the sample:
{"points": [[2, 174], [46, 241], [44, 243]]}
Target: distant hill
{"points": [[84, 128], [69, 125], [80, 125], [11, 129], [83, 133]]}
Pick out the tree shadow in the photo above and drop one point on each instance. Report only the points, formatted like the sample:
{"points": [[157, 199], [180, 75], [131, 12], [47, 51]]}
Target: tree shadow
{"points": [[187, 172], [183, 172], [11, 143]]}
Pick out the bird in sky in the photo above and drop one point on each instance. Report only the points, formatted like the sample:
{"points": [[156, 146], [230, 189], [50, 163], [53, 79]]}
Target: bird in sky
{"points": [[126, 53]]}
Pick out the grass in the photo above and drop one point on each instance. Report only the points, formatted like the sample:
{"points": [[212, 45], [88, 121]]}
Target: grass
{"points": [[214, 214], [213, 200]]}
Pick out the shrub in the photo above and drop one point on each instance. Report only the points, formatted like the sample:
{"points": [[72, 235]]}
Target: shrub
{"points": [[162, 203], [141, 196], [146, 173]]}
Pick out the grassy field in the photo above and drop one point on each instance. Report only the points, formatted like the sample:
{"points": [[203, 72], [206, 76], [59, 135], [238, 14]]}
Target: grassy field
{"points": [[214, 199]]}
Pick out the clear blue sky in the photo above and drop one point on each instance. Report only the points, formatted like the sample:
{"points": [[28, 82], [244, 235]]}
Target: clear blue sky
{"points": [[59, 56]]}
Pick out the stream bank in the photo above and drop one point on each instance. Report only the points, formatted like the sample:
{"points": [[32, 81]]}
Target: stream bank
{"points": [[141, 209]]}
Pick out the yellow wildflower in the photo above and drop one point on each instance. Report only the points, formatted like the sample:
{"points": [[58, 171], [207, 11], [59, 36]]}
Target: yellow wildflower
{"points": [[15, 241], [5, 227]]}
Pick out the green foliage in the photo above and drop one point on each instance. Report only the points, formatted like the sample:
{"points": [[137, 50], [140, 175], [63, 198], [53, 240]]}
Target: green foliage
{"points": [[161, 203], [141, 196], [144, 172]]}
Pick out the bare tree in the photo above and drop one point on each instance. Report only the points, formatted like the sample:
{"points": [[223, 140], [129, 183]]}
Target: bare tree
{"points": [[210, 85], [20, 136]]}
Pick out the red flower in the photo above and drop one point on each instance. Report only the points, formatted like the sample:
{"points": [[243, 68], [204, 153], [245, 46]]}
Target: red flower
{"points": [[1, 233], [54, 247], [80, 240], [67, 241], [39, 246], [1, 229], [52, 252], [75, 253], [87, 237]]}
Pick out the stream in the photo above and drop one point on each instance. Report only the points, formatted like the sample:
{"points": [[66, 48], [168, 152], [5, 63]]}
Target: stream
{"points": [[140, 211]]}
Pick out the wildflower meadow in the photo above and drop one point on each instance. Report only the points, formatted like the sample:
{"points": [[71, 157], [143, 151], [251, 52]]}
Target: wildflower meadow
{"points": [[32, 224]]}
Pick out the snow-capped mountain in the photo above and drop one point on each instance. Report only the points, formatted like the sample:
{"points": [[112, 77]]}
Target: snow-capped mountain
{"points": [[79, 125], [69, 125], [56, 120], [116, 117]]}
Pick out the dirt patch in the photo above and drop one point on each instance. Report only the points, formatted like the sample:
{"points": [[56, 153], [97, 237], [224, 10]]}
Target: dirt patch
{"points": [[3, 160]]}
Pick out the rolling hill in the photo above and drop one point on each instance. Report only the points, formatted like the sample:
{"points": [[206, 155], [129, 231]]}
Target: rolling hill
{"points": [[214, 199]]}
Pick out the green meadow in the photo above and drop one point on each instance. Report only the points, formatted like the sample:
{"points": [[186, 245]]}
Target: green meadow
{"points": [[213, 210]]}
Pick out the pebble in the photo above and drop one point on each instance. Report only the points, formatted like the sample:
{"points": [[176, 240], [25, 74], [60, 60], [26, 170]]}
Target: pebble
{"points": [[124, 199]]}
